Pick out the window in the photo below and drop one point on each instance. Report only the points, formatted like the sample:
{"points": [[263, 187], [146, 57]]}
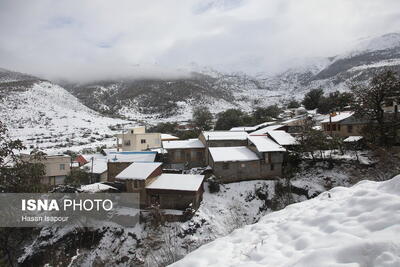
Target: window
{"points": [[338, 127], [135, 184], [328, 127], [349, 128], [225, 165], [272, 167], [333, 127], [131, 131], [143, 141], [127, 142], [62, 166]]}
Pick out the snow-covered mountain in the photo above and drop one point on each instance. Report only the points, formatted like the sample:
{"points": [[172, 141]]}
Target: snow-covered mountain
{"points": [[334, 73], [154, 100], [355, 226], [45, 115]]}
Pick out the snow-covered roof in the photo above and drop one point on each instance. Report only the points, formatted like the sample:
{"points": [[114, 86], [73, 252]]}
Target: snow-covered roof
{"points": [[181, 144], [265, 144], [99, 166], [243, 129], [179, 182], [238, 153], [251, 128], [225, 135], [96, 187], [339, 117], [293, 120], [138, 171], [267, 129], [353, 139], [132, 156], [168, 137], [283, 138]]}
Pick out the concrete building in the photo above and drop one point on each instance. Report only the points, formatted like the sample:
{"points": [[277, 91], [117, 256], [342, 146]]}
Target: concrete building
{"points": [[183, 154], [136, 139], [57, 168]]}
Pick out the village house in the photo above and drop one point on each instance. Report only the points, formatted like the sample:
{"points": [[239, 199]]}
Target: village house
{"points": [[165, 190], [183, 154], [270, 153], [176, 191], [97, 168], [136, 139], [262, 158], [343, 124], [137, 176], [391, 105], [119, 161], [296, 124], [57, 167], [105, 166], [232, 164]]}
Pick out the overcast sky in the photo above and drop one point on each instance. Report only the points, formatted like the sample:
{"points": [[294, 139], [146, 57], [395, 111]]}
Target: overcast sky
{"points": [[79, 39]]}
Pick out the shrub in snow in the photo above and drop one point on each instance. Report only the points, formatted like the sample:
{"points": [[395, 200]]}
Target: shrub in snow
{"points": [[213, 185]]}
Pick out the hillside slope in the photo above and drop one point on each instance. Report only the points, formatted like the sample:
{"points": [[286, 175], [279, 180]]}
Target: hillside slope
{"points": [[357, 226], [45, 115]]}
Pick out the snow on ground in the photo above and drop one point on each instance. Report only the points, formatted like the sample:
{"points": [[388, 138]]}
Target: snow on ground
{"points": [[48, 117], [357, 226]]}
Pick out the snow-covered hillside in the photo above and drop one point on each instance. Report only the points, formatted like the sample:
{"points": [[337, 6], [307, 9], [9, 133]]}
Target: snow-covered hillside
{"points": [[357, 226], [46, 116]]}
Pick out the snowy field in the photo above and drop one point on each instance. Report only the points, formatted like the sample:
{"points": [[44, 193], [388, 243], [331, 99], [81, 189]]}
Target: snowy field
{"points": [[357, 226]]}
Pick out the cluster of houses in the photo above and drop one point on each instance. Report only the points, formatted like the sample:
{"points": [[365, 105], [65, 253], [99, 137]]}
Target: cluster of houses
{"points": [[154, 164]]}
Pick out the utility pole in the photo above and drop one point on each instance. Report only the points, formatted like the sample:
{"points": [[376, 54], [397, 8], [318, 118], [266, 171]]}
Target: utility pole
{"points": [[91, 172]]}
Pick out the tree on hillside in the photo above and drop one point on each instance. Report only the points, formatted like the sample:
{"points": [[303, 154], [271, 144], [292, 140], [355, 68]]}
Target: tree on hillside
{"points": [[164, 127], [293, 104], [312, 98], [232, 118], [202, 119], [369, 102], [16, 176], [335, 101], [261, 115]]}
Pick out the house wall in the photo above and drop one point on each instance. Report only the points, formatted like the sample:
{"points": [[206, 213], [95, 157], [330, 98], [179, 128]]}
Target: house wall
{"points": [[190, 157], [221, 143], [139, 186], [174, 199], [114, 168], [139, 141], [268, 167], [57, 168], [342, 130]]}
